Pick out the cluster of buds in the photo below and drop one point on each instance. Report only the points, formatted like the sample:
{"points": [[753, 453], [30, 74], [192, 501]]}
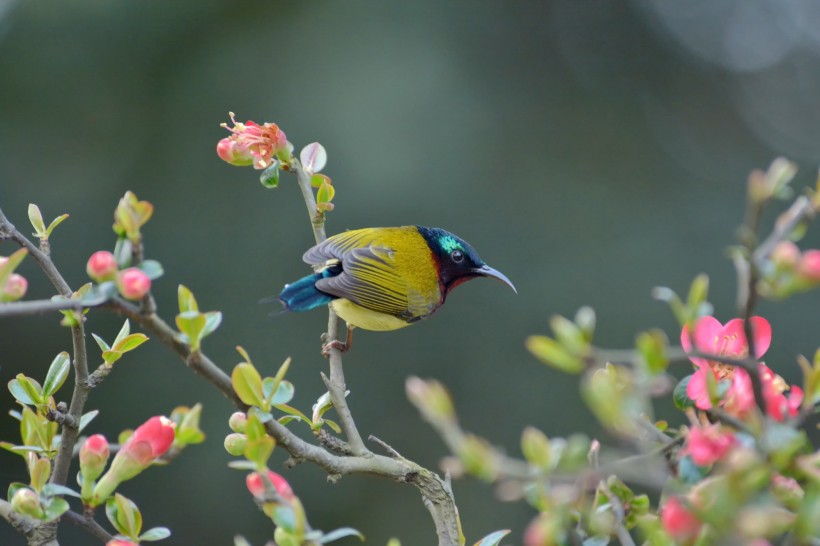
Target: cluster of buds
{"points": [[13, 285], [132, 283], [147, 444], [277, 500], [790, 271]]}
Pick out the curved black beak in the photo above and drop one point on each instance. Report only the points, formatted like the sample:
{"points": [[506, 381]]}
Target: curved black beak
{"points": [[487, 271]]}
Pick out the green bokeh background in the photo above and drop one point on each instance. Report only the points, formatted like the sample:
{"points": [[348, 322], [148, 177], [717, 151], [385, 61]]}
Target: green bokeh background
{"points": [[588, 150]]}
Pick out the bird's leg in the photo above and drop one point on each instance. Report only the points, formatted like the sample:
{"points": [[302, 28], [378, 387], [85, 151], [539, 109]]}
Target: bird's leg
{"points": [[342, 347]]}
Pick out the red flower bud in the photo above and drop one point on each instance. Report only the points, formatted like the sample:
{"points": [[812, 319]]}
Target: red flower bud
{"points": [[257, 486], [93, 456], [678, 521], [102, 266], [133, 283], [810, 265], [16, 287]]}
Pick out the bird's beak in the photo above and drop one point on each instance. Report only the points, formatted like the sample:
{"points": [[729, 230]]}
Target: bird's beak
{"points": [[487, 271]]}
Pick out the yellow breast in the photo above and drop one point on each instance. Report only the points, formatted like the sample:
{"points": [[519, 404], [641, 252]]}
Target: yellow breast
{"points": [[356, 315]]}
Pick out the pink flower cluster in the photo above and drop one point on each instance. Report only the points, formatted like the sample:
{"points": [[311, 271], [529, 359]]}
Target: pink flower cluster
{"points": [[132, 283], [729, 341], [251, 144]]}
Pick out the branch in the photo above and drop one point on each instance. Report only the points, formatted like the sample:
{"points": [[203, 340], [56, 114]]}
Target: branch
{"points": [[88, 524], [35, 307]]}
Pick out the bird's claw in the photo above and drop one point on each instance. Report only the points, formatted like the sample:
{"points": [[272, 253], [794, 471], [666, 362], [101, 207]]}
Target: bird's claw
{"points": [[340, 346]]}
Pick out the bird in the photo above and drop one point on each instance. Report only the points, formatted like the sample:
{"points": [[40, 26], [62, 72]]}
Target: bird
{"points": [[385, 278]]}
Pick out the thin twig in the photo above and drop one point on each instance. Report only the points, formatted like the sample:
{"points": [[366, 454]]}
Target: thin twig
{"points": [[36, 307], [89, 524]]}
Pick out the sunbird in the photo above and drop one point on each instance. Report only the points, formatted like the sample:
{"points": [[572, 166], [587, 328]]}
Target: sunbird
{"points": [[385, 278]]}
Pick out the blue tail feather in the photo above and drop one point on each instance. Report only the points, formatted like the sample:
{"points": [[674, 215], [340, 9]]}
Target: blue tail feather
{"points": [[302, 295]]}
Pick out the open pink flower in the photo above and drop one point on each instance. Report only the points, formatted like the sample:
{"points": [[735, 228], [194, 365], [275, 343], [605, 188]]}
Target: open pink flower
{"points": [[708, 444], [251, 144], [727, 340]]}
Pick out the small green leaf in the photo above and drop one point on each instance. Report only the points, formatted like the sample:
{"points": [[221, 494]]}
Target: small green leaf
{"points": [[130, 342], [20, 394], [13, 488], [553, 354], [568, 334], [187, 301], [152, 269], [87, 418], [247, 383], [57, 374], [52, 489], [55, 508], [191, 324], [270, 176], [124, 515], [340, 533], [54, 223], [155, 533], [122, 252], [652, 347], [679, 396], [212, 321], [31, 387], [36, 219], [124, 331], [325, 193], [242, 465], [101, 343], [317, 179], [284, 393], [493, 539], [536, 447], [284, 517], [259, 450], [333, 425], [39, 473], [111, 356]]}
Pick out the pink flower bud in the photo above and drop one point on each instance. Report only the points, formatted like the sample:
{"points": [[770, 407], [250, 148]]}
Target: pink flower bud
{"points": [[237, 421], [257, 486], [133, 283], [120, 542], [678, 521], [709, 444], [93, 456], [149, 442], [102, 266], [810, 265], [786, 254], [233, 152], [235, 443], [27, 502], [16, 287], [540, 532]]}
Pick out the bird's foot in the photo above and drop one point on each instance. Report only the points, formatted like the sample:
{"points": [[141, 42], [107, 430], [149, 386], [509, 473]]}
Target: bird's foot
{"points": [[340, 346]]}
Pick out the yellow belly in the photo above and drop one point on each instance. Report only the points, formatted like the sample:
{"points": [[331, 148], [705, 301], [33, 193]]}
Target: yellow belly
{"points": [[358, 316]]}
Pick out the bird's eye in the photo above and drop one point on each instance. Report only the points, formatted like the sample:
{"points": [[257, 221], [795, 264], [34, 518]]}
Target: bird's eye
{"points": [[457, 256]]}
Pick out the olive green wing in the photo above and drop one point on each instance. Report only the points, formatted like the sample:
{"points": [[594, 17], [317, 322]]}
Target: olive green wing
{"points": [[369, 277]]}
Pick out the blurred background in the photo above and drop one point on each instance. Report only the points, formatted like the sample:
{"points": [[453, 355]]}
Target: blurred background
{"points": [[589, 150]]}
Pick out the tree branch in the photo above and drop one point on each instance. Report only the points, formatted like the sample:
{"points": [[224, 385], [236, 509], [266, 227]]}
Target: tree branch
{"points": [[87, 523]]}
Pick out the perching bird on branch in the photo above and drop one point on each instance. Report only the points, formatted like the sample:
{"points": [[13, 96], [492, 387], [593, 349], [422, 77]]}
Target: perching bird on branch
{"points": [[385, 278]]}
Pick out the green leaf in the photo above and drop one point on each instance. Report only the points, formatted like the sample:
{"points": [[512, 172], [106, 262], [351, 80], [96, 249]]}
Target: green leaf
{"points": [[284, 393], [155, 533], [550, 352], [122, 252], [39, 473], [187, 301], [333, 425], [293, 411], [130, 342], [101, 343], [124, 515], [124, 331], [536, 447], [270, 176], [325, 193], [191, 324], [87, 418], [247, 383], [242, 465], [679, 396], [493, 539], [284, 517], [57, 374], [568, 334], [212, 321], [652, 347], [14, 487], [52, 489], [111, 356], [20, 394], [55, 508], [31, 387], [36, 219], [318, 179], [342, 532], [259, 450], [54, 223], [152, 269]]}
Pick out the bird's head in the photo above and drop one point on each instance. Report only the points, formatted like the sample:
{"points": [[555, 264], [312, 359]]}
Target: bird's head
{"points": [[457, 260]]}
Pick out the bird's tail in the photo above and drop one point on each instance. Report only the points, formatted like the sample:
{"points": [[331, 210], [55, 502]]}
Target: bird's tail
{"points": [[302, 295]]}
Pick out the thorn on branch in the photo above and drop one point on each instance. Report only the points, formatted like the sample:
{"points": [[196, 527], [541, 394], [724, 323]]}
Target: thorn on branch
{"points": [[332, 443], [385, 446], [62, 418]]}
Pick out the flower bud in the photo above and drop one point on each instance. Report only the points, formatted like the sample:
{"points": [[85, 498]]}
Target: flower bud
{"points": [[93, 456], [16, 286], [237, 421], [235, 444], [120, 542], [102, 266], [27, 502], [785, 255], [678, 521], [256, 485], [810, 265], [133, 283], [431, 399], [541, 531], [149, 442]]}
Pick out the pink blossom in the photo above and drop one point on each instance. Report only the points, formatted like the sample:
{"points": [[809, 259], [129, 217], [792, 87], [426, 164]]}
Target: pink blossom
{"points": [[101, 266], [16, 287], [133, 283], [120, 542], [257, 486], [786, 254], [678, 521], [726, 340], [708, 444], [251, 144], [539, 531]]}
